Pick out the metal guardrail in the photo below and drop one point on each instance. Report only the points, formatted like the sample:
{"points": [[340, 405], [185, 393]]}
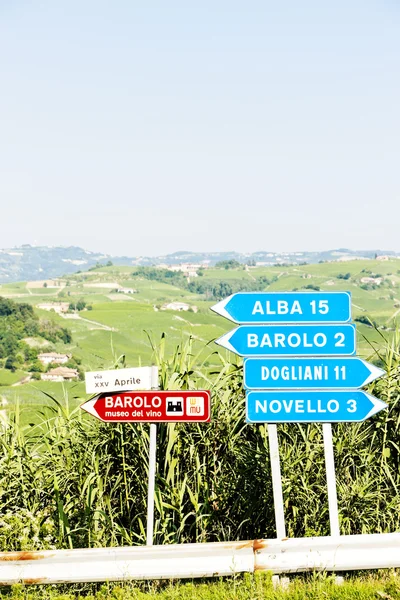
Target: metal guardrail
{"points": [[118, 564], [343, 553]]}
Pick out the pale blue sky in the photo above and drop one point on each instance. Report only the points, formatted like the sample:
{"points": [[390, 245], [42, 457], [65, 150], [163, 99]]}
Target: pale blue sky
{"points": [[146, 127]]}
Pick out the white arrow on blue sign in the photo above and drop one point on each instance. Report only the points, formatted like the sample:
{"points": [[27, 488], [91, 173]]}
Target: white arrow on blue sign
{"points": [[291, 340], [286, 307], [306, 373], [311, 406]]}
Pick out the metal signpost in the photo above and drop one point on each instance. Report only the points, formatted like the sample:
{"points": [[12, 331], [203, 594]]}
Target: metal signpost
{"points": [[152, 468], [276, 481], [122, 399], [299, 368], [331, 480], [120, 380]]}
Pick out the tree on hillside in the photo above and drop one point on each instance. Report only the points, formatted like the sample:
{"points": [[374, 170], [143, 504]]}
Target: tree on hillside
{"points": [[222, 289], [164, 275], [365, 321], [36, 367], [228, 264], [77, 306], [29, 352], [10, 364]]}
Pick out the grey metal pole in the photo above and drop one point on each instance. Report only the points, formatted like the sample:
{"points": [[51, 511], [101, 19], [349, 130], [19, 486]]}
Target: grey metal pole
{"points": [[276, 481], [152, 468], [331, 479]]}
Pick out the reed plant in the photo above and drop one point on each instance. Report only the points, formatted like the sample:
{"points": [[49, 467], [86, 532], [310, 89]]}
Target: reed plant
{"points": [[68, 480]]}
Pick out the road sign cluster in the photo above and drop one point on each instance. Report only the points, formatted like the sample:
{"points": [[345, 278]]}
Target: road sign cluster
{"points": [[299, 357], [299, 367]]}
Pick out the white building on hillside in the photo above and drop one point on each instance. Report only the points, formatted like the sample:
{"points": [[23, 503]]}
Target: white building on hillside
{"points": [[53, 357], [188, 269], [179, 306], [377, 280], [58, 307], [60, 374], [126, 291]]}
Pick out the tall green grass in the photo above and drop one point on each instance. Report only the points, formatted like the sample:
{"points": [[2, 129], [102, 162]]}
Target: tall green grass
{"points": [[316, 586], [68, 480]]}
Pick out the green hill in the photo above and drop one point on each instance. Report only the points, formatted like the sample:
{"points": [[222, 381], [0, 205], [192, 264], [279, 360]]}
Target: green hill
{"points": [[46, 262]]}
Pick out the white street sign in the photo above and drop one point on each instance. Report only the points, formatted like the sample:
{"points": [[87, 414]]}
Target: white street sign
{"points": [[119, 380]]}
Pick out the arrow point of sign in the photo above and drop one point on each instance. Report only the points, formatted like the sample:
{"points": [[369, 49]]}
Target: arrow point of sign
{"points": [[89, 407], [224, 341], [220, 309], [377, 406], [375, 372]]}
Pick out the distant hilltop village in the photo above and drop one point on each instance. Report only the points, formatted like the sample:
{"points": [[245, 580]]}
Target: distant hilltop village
{"points": [[33, 263], [191, 269]]}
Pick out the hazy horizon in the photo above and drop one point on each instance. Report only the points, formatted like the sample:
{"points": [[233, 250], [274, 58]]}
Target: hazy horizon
{"points": [[206, 250]]}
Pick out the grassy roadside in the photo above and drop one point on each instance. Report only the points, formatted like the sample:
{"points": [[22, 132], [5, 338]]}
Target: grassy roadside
{"points": [[316, 586]]}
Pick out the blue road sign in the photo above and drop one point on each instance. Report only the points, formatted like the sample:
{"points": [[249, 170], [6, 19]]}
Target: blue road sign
{"points": [[286, 307], [291, 340], [305, 373], [311, 406]]}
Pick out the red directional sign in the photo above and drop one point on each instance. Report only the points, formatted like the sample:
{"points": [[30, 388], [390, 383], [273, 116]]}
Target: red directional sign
{"points": [[151, 407]]}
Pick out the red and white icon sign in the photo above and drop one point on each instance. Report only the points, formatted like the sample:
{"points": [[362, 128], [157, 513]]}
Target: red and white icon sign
{"points": [[151, 407]]}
